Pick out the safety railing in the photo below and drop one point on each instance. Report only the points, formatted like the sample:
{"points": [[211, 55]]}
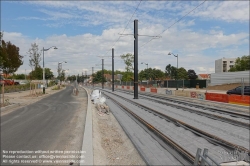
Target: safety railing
{"points": [[204, 158]]}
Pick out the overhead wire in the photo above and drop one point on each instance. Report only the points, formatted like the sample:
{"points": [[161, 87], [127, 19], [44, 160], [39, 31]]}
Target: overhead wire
{"points": [[174, 23], [126, 25]]}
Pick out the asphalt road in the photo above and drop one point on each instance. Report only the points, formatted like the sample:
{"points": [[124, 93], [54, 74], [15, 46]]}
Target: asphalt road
{"points": [[54, 125]]}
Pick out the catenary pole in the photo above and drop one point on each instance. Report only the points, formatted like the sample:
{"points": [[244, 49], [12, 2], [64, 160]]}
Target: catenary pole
{"points": [[135, 59], [113, 70]]}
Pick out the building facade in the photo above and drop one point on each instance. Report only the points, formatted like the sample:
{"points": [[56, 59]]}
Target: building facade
{"points": [[224, 64]]}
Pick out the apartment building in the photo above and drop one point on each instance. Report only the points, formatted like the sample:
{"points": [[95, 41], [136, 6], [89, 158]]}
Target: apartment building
{"points": [[224, 64]]}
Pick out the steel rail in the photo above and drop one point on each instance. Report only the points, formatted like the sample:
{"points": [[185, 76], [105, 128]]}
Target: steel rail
{"points": [[234, 114], [182, 155], [217, 117], [207, 136]]}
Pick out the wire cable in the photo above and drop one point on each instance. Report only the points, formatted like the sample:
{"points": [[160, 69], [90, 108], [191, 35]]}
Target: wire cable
{"points": [[126, 25], [175, 22]]}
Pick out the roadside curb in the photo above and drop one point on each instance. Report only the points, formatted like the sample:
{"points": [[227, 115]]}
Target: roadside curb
{"points": [[10, 106], [87, 144]]}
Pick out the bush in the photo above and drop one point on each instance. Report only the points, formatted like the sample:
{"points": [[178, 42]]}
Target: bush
{"points": [[15, 88]]}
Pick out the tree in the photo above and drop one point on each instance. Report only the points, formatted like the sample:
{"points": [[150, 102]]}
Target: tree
{"points": [[17, 76], [48, 73], [37, 73], [241, 64], [151, 74], [168, 70], [129, 61], [10, 60], [192, 75], [182, 73], [98, 77], [35, 56], [127, 76]]}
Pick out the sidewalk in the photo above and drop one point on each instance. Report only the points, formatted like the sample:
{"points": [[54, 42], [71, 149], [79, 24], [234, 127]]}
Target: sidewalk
{"points": [[22, 98]]}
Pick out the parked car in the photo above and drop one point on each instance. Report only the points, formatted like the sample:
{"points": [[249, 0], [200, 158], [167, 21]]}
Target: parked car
{"points": [[23, 82], [237, 90]]}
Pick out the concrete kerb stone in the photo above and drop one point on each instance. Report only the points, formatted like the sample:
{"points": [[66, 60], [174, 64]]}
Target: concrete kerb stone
{"points": [[87, 143], [10, 106]]}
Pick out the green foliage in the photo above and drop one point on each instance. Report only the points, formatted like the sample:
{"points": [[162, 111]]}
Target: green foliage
{"points": [[10, 60], [35, 56], [48, 73], [38, 73], [127, 76], [182, 73], [17, 76], [16, 88], [52, 83], [171, 71], [151, 74], [98, 77], [241, 64], [192, 75], [129, 61]]}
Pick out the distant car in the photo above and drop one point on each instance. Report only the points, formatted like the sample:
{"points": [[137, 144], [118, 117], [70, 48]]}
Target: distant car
{"points": [[237, 90], [23, 82], [96, 94]]}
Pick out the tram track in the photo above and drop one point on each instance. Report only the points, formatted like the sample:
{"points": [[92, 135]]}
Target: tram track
{"points": [[202, 113], [209, 108], [182, 153], [209, 137]]}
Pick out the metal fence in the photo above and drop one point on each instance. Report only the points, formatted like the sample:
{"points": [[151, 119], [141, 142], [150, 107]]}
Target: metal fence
{"points": [[169, 83]]}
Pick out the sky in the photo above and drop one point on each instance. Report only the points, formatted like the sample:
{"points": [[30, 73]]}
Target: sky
{"points": [[84, 32]]}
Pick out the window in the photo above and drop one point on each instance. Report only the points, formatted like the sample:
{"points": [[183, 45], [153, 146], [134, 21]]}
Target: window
{"points": [[238, 88], [231, 61]]}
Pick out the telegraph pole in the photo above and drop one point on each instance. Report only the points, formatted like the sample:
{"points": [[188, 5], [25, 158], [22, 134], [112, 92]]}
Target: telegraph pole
{"points": [[113, 70], [135, 59], [102, 73], [92, 76]]}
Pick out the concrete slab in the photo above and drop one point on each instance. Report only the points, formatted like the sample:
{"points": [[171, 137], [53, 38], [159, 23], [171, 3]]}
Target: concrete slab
{"points": [[87, 144]]}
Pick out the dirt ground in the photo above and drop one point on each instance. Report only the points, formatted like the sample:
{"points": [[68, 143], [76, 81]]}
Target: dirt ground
{"points": [[111, 146], [224, 86]]}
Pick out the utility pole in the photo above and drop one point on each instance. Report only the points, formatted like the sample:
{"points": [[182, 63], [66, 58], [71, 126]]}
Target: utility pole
{"points": [[86, 75], [82, 79], [113, 81], [92, 76], [135, 59], [102, 73]]}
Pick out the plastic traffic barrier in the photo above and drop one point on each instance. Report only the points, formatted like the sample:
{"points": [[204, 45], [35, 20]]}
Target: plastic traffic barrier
{"points": [[217, 97], [128, 87], [238, 99], [142, 88], [122, 86], [153, 90], [201, 95], [182, 93], [193, 94]]}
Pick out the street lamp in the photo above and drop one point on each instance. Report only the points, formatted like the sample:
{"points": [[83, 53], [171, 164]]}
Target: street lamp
{"points": [[147, 70], [43, 66], [176, 70]]}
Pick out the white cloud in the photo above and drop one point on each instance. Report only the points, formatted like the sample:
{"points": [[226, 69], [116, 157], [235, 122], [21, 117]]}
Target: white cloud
{"points": [[81, 51]]}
